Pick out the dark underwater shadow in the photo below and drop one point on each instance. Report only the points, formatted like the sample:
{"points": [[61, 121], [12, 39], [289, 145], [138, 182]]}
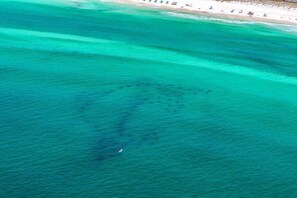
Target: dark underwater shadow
{"points": [[142, 93]]}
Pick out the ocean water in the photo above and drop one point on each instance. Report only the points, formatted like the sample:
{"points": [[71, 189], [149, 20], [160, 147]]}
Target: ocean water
{"points": [[200, 107]]}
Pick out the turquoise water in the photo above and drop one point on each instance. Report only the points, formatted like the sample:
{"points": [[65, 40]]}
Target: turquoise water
{"points": [[201, 108]]}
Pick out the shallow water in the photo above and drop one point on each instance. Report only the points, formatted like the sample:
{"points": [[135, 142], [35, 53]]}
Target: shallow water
{"points": [[201, 108]]}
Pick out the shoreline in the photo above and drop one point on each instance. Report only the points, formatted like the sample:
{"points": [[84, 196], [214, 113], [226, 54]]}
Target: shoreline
{"points": [[225, 10]]}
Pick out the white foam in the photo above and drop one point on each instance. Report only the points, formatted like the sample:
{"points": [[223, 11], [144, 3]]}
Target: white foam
{"points": [[204, 18], [283, 27], [287, 28]]}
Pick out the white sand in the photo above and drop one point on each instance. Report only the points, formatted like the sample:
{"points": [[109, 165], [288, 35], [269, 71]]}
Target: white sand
{"points": [[250, 11]]}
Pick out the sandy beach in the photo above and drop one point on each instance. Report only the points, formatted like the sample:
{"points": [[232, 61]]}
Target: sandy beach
{"points": [[254, 11]]}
